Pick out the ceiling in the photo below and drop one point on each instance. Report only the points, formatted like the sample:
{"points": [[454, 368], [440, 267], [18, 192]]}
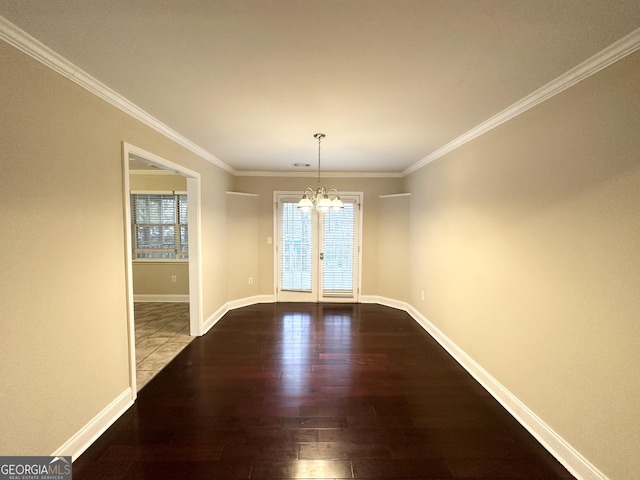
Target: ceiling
{"points": [[388, 81]]}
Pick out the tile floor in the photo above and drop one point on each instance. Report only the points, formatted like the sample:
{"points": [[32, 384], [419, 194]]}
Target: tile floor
{"points": [[162, 331]]}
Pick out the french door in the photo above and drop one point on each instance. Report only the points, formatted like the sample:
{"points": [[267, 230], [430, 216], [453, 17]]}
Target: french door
{"points": [[317, 253]]}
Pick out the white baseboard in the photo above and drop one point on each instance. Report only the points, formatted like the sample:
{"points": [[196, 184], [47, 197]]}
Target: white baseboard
{"points": [[213, 319], [245, 302], [578, 465], [144, 298], [572, 460], [232, 305], [88, 434], [388, 302]]}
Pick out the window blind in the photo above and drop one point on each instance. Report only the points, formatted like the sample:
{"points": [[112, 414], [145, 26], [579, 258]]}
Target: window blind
{"points": [[338, 246], [160, 226], [295, 248]]}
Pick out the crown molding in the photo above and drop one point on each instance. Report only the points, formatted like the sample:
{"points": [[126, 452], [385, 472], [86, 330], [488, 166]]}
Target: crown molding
{"points": [[24, 42], [614, 52], [242, 194], [288, 174], [395, 195]]}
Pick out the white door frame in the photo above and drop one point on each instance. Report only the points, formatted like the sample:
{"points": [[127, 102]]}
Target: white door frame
{"points": [[196, 323], [358, 259]]}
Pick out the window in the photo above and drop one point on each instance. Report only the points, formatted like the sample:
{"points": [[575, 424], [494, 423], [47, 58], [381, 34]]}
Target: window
{"points": [[160, 227], [338, 240], [296, 248]]}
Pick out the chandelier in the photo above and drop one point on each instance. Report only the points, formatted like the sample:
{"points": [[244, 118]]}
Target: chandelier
{"points": [[320, 198]]}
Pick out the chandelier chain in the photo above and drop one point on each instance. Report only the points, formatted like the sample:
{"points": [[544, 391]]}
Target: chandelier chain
{"points": [[319, 136]]}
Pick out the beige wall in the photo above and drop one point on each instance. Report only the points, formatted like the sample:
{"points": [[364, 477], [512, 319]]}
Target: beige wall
{"points": [[393, 250], [242, 246], [526, 244], [63, 341], [156, 278], [157, 182], [372, 188]]}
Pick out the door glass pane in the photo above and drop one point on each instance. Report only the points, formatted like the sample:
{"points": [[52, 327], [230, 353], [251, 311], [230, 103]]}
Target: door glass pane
{"points": [[338, 247], [295, 248]]}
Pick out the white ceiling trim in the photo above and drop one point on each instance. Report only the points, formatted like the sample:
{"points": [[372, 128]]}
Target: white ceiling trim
{"points": [[395, 195], [265, 173], [616, 51], [242, 194], [21, 40], [24, 42]]}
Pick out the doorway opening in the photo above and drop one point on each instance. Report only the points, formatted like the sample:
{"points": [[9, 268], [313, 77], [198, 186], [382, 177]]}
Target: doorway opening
{"points": [[174, 313]]}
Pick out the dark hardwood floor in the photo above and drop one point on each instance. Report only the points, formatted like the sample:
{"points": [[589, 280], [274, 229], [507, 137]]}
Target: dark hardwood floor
{"points": [[322, 391]]}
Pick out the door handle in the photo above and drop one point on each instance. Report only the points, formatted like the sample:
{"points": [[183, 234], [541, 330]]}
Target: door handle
{"points": [[321, 255]]}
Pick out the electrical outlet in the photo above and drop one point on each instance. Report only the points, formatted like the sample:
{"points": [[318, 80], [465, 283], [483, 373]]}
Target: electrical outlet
{"points": [[250, 280], [174, 278]]}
